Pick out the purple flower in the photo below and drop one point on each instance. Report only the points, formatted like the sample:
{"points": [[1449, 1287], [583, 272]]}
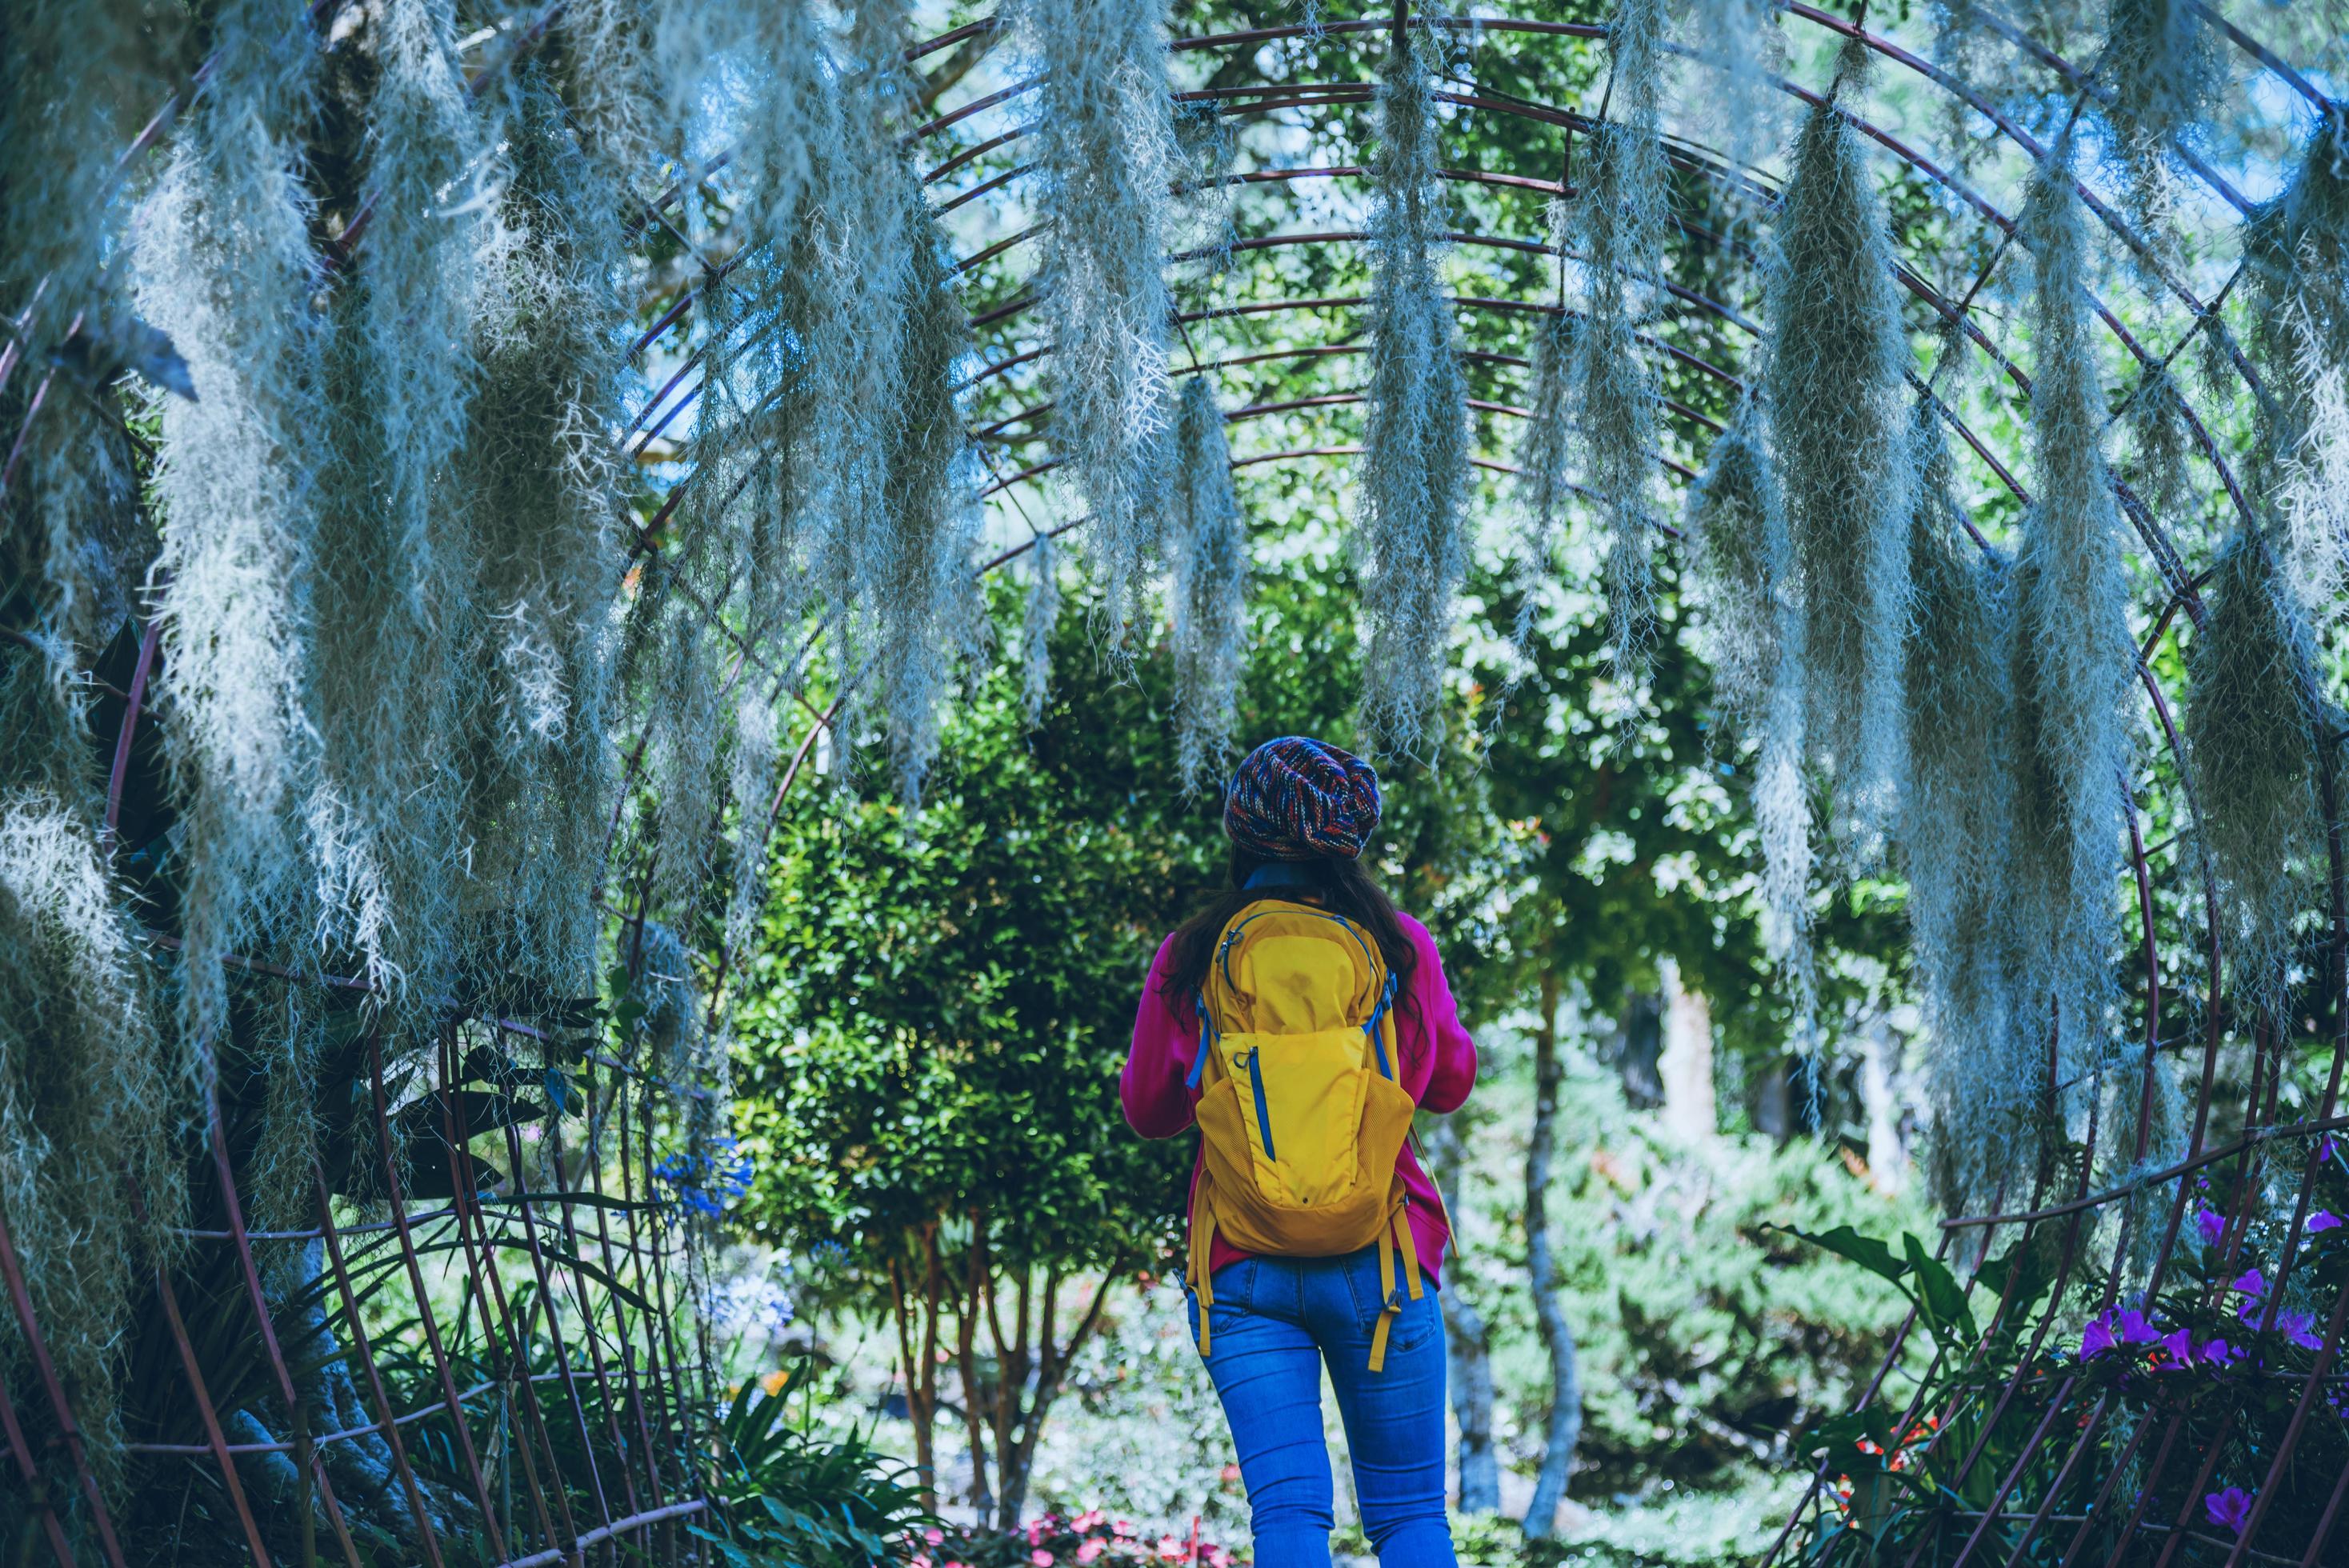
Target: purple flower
{"points": [[2300, 1328], [2326, 1147], [2112, 1328], [2251, 1282], [2218, 1353], [2178, 1348], [2322, 1221], [2230, 1507], [2210, 1225]]}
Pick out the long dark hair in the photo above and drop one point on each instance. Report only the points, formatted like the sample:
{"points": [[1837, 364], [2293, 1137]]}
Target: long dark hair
{"points": [[1340, 887]]}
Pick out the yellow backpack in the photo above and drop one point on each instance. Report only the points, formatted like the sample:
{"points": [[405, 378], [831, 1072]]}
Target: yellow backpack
{"points": [[1303, 1113]]}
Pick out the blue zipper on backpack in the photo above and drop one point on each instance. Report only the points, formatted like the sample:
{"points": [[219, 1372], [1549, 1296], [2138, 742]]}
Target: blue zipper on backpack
{"points": [[1377, 1015], [1263, 1111]]}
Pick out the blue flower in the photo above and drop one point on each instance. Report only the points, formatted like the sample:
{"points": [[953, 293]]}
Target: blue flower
{"points": [[708, 1183]]}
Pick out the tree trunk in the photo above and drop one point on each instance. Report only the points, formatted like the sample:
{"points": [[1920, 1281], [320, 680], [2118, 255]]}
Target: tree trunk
{"points": [[967, 1309], [1638, 1049], [920, 1366], [1541, 1267], [1016, 1414], [1468, 1344], [1888, 1160], [1686, 1067]]}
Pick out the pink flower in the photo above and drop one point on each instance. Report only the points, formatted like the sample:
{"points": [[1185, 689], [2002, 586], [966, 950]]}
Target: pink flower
{"points": [[2210, 1225], [1218, 1558], [2300, 1328], [1086, 1519], [934, 1535], [1035, 1531], [1041, 1558], [1123, 1526], [1090, 1550], [919, 1560], [2230, 1507], [1171, 1548]]}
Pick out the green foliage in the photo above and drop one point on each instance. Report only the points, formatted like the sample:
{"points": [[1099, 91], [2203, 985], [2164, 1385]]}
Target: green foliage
{"points": [[788, 1498], [931, 993], [1632, 838], [1702, 1332]]}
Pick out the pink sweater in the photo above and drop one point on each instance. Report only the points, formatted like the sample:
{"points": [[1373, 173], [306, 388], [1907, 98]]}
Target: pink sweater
{"points": [[1439, 1066]]}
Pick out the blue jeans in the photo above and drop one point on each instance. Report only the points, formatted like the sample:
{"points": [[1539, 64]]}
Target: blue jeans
{"points": [[1274, 1320]]}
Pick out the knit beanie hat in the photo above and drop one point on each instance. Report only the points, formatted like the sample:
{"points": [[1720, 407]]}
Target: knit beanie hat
{"points": [[1297, 800]]}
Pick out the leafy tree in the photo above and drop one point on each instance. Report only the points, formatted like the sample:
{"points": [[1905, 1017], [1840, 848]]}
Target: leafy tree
{"points": [[938, 1008]]}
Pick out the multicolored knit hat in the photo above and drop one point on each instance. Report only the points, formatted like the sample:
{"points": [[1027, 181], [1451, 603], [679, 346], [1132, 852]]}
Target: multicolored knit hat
{"points": [[1297, 800]]}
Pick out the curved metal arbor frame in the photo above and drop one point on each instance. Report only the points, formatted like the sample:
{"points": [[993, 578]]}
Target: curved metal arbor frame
{"points": [[594, 1424], [2019, 1510]]}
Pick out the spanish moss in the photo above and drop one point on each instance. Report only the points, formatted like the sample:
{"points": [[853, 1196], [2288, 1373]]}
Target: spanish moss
{"points": [[1413, 491], [2296, 262], [394, 570], [76, 81], [1834, 359], [93, 1092], [2075, 658], [2162, 66], [544, 483], [1206, 549], [2314, 493], [223, 248], [1106, 159], [1619, 214], [1746, 582], [1042, 618], [2253, 726], [1741, 41], [1545, 460], [920, 593], [1956, 832]]}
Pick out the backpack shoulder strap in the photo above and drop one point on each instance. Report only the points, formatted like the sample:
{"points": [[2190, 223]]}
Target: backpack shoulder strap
{"points": [[1207, 1042]]}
